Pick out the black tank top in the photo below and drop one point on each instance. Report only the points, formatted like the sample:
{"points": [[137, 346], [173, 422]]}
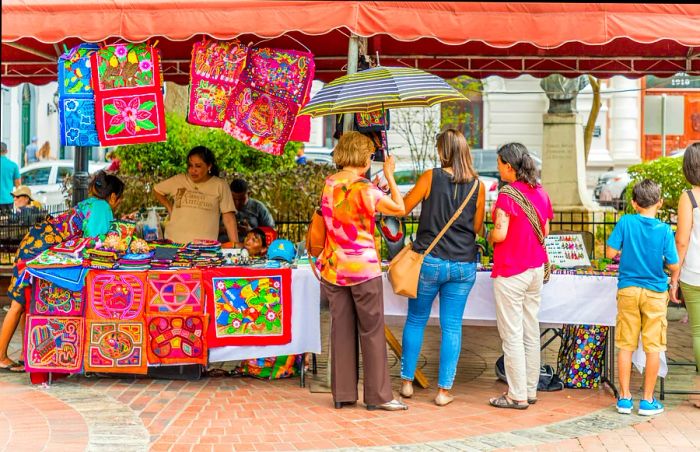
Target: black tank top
{"points": [[459, 242]]}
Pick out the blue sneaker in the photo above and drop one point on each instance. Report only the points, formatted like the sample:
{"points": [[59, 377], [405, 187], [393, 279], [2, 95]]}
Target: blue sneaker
{"points": [[647, 408], [625, 406]]}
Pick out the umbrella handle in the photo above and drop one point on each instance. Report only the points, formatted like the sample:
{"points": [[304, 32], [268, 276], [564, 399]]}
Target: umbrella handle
{"points": [[386, 135]]}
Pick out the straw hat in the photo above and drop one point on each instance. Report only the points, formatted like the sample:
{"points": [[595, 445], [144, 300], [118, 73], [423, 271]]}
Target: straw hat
{"points": [[22, 190]]}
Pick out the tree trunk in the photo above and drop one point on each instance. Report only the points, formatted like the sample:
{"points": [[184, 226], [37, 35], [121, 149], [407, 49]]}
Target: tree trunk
{"points": [[590, 125]]}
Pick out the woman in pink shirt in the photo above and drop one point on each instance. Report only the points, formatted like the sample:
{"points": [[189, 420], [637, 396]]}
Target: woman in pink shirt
{"points": [[518, 270], [352, 275]]}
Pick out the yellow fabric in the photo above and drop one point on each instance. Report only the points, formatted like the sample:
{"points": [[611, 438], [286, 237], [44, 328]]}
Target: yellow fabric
{"points": [[642, 311]]}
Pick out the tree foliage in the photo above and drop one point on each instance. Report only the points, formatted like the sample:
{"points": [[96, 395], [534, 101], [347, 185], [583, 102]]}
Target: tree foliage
{"points": [[667, 172]]}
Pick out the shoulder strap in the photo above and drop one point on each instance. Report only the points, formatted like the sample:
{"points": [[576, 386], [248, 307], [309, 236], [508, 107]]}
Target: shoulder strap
{"points": [[525, 204], [693, 201], [454, 217]]}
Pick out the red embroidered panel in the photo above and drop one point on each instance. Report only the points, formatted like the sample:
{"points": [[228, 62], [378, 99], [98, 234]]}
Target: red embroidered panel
{"points": [[54, 344], [248, 306], [175, 292], [177, 339], [115, 347]]}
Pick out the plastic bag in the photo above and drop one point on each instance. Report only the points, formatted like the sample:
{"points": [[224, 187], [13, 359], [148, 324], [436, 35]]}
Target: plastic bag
{"points": [[151, 228]]}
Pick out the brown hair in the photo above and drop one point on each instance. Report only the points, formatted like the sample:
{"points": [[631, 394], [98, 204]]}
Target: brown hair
{"points": [[454, 153], [353, 149], [44, 151], [691, 163]]}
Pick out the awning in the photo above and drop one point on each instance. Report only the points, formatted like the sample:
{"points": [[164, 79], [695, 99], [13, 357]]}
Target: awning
{"points": [[446, 38]]}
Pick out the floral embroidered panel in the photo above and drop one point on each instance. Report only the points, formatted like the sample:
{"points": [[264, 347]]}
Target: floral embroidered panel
{"points": [[248, 306], [54, 344], [128, 94], [115, 347], [76, 102], [177, 339], [214, 72]]}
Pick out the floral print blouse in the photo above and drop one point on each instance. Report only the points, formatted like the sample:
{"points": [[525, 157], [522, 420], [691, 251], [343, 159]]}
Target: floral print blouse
{"points": [[348, 204]]}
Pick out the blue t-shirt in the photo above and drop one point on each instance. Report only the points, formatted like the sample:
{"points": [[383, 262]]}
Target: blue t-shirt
{"points": [[647, 244], [31, 152], [98, 216], [9, 172]]}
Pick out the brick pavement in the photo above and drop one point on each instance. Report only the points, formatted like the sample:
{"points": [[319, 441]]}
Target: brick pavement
{"points": [[91, 413]]}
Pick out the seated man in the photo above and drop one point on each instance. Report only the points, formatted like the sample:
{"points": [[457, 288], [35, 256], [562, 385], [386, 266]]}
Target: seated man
{"points": [[250, 213], [25, 210]]}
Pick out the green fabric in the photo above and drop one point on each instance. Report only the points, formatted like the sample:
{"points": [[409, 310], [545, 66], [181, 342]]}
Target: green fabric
{"points": [[98, 216], [691, 295]]}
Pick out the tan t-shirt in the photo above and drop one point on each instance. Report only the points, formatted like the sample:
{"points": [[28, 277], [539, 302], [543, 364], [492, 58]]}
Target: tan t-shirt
{"points": [[196, 207]]}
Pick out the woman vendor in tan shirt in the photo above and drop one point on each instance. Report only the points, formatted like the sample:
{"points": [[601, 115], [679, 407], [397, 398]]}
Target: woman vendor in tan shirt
{"points": [[199, 198]]}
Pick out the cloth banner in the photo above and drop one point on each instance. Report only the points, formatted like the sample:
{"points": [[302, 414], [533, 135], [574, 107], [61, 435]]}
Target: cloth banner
{"points": [[76, 102], [262, 109], [177, 339], [214, 71], [128, 98], [115, 347], [248, 306], [54, 344], [51, 300], [172, 292], [70, 278], [302, 129], [115, 295]]}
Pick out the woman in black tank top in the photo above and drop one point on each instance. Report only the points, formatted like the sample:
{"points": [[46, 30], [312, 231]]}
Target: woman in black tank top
{"points": [[450, 268]]}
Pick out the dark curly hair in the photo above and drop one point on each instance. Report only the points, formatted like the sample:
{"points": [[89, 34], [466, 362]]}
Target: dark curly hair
{"points": [[517, 156]]}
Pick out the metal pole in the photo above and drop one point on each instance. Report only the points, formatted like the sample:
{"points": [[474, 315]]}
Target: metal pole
{"points": [[663, 125], [81, 175], [353, 55]]}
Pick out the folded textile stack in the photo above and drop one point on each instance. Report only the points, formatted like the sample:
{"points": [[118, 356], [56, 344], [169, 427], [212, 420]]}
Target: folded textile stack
{"points": [[135, 262], [204, 253], [73, 247], [163, 257], [99, 258]]}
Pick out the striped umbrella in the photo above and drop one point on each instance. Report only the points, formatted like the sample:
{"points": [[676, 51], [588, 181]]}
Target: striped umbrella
{"points": [[379, 88]]}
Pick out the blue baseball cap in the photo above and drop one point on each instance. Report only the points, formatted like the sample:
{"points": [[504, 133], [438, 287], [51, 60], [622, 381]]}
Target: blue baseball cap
{"points": [[281, 249]]}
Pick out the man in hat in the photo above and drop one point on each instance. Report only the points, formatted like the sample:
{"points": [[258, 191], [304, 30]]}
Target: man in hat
{"points": [[9, 178], [25, 209], [30, 152]]}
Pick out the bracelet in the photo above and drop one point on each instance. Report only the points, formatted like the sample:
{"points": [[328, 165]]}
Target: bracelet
{"points": [[672, 285]]}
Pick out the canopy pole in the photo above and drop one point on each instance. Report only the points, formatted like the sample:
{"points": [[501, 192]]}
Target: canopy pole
{"points": [[81, 175], [353, 56]]}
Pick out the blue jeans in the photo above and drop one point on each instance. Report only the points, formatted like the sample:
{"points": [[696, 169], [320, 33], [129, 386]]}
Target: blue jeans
{"points": [[453, 281]]}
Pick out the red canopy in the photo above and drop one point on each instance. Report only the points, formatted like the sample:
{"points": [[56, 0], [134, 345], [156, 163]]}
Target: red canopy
{"points": [[446, 38]]}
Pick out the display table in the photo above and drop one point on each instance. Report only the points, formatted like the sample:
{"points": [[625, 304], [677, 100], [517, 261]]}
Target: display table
{"points": [[570, 299]]}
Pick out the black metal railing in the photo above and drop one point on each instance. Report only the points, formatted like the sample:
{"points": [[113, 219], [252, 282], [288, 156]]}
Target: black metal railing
{"points": [[13, 228]]}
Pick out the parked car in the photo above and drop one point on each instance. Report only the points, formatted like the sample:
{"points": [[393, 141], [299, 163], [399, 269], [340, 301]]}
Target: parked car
{"points": [[45, 179], [319, 157]]}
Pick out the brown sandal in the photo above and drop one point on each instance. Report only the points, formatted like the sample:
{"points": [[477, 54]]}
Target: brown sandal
{"points": [[506, 402]]}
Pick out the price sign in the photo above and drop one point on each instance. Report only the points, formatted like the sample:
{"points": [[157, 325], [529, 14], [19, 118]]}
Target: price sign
{"points": [[567, 250]]}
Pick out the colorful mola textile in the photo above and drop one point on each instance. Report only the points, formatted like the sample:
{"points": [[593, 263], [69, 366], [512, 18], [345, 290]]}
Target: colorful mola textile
{"points": [[263, 107], [51, 300], [171, 292], [248, 306], [214, 72], [54, 344], [76, 102], [115, 295], [115, 347], [128, 98], [177, 339]]}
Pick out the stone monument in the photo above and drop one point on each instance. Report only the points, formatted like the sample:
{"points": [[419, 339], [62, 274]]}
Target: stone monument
{"points": [[563, 164]]}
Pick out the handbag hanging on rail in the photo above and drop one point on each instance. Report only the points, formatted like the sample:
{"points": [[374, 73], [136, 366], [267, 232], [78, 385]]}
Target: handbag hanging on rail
{"points": [[404, 269], [525, 204]]}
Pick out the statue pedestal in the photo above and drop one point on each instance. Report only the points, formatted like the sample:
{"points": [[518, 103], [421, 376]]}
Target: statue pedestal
{"points": [[563, 167]]}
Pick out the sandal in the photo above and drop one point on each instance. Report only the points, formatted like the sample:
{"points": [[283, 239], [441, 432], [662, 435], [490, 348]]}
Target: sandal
{"points": [[506, 402], [531, 401], [12, 368]]}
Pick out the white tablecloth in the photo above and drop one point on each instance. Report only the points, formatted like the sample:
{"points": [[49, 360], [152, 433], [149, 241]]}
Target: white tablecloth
{"points": [[570, 299]]}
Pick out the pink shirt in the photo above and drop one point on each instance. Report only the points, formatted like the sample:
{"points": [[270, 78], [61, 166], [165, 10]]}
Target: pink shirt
{"points": [[348, 204], [521, 250]]}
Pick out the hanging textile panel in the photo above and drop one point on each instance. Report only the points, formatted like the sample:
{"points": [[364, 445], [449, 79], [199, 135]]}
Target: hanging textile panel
{"points": [[115, 295], [54, 344], [214, 71], [115, 347], [177, 339], [128, 98], [263, 106], [172, 292], [51, 300], [76, 102], [248, 306]]}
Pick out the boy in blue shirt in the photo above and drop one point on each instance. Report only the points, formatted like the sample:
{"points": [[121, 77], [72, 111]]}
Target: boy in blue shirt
{"points": [[646, 245]]}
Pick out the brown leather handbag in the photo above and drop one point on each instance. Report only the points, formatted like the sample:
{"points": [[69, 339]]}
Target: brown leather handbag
{"points": [[316, 235]]}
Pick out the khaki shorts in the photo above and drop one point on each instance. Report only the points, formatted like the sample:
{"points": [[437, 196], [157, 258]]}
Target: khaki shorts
{"points": [[643, 311]]}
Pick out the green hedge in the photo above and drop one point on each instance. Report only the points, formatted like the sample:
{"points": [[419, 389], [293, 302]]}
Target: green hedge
{"points": [[666, 171]]}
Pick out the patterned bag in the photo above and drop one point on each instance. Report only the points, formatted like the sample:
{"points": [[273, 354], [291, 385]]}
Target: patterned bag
{"points": [[76, 102], [263, 107], [129, 106], [214, 72], [581, 354], [272, 368]]}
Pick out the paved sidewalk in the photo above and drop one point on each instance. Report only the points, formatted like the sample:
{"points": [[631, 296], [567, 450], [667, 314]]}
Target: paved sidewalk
{"points": [[224, 413]]}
